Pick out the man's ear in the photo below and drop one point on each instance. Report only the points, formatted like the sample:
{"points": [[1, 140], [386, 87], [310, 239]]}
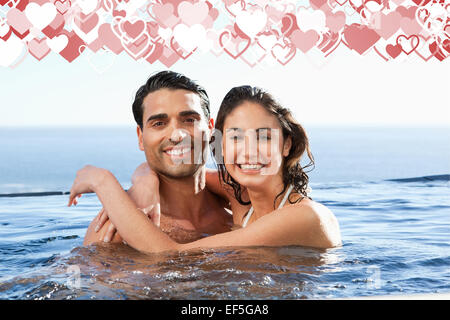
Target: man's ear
{"points": [[140, 138], [287, 146]]}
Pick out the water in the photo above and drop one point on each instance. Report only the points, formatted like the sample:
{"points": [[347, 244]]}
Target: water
{"points": [[396, 234]]}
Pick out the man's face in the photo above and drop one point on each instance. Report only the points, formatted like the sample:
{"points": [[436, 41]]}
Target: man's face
{"points": [[175, 132]]}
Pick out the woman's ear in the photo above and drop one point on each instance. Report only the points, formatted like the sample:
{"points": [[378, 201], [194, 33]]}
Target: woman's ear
{"points": [[140, 138], [287, 146]]}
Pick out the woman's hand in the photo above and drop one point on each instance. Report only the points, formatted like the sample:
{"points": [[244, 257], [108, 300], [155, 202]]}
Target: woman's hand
{"points": [[86, 181], [144, 193]]}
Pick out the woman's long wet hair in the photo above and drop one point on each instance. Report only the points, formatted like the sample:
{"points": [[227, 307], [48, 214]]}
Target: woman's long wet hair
{"points": [[293, 173]]}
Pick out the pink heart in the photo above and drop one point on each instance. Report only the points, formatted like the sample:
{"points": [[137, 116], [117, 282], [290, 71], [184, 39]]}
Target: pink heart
{"points": [[86, 22], [163, 13], [109, 39], [193, 13], [407, 12], [135, 29], [410, 26], [283, 53], [157, 52], [304, 40], [360, 38], [329, 43], [234, 45], [139, 48], [447, 30], [18, 21], [388, 23], [168, 57], [317, 4], [38, 48], [336, 21], [62, 6]]}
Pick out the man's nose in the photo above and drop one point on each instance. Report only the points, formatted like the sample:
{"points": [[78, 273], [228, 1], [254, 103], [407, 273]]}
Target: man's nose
{"points": [[177, 135]]}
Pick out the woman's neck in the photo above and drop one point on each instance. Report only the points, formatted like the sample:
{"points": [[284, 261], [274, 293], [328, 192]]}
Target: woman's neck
{"points": [[263, 197]]}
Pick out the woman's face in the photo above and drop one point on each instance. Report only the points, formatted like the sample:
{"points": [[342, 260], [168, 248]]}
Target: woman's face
{"points": [[253, 145]]}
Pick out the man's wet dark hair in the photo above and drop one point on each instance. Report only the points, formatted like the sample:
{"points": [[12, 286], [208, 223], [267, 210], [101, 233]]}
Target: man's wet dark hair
{"points": [[167, 80]]}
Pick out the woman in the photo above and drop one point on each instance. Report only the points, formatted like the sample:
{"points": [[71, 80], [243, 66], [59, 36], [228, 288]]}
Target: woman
{"points": [[260, 175]]}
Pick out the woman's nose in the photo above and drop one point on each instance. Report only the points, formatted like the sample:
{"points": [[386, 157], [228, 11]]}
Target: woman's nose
{"points": [[251, 149]]}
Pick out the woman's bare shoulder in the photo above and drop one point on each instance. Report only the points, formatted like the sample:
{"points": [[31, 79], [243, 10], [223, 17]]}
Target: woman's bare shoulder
{"points": [[320, 219]]}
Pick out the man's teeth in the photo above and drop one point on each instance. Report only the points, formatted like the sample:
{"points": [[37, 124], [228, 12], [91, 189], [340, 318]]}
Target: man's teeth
{"points": [[250, 166], [177, 152]]}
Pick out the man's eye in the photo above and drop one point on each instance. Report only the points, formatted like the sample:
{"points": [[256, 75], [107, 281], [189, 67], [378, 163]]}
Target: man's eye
{"points": [[158, 124], [191, 120]]}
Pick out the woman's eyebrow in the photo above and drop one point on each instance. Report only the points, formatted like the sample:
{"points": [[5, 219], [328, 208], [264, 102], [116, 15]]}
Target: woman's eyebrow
{"points": [[234, 129], [263, 129]]}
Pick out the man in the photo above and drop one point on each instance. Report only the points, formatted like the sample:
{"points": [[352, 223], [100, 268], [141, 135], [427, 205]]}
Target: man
{"points": [[174, 127]]}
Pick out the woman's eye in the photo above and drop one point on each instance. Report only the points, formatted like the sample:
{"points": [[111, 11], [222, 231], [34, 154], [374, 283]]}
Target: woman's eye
{"points": [[235, 138], [264, 137]]}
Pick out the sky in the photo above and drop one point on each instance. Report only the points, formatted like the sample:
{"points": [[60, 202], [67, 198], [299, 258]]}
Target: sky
{"points": [[345, 89]]}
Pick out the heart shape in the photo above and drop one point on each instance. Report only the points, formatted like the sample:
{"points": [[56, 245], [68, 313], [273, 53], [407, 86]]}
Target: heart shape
{"points": [[360, 37], [447, 30], [394, 51], [283, 53], [408, 44], [304, 41], [86, 23], [134, 29], [38, 48], [233, 44]]}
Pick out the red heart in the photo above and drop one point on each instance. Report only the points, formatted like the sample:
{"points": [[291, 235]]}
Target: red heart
{"points": [[360, 38], [421, 2], [437, 52], [74, 47], [413, 44], [394, 51], [288, 24]]}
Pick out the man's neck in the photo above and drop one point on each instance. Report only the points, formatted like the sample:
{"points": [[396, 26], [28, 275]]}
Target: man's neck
{"points": [[183, 198]]}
